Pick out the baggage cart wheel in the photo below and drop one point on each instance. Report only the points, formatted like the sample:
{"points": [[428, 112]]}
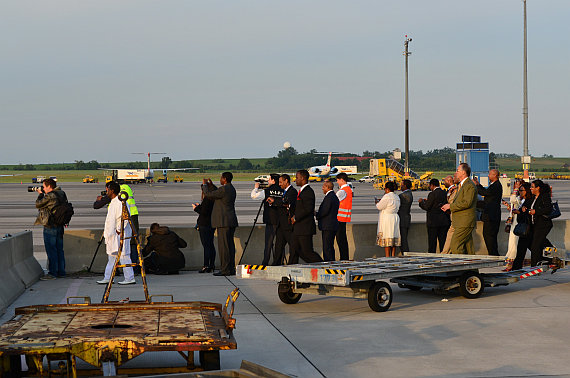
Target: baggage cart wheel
{"points": [[289, 297], [210, 359], [380, 296], [471, 285]]}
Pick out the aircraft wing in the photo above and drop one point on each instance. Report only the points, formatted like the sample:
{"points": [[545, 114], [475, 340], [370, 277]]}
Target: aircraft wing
{"points": [[15, 174], [176, 169]]}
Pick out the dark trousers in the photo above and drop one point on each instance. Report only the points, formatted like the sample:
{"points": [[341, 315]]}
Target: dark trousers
{"points": [[227, 249], [207, 239], [134, 251], [404, 238], [342, 241], [490, 232], [53, 241], [282, 238], [303, 248], [539, 241], [436, 234], [522, 245], [528, 243], [328, 245], [269, 237]]}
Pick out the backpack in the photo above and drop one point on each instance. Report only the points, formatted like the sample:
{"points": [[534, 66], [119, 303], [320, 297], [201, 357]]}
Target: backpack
{"points": [[62, 213]]}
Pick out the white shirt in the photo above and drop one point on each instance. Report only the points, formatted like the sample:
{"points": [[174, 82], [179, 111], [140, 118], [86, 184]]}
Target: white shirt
{"points": [[257, 193], [113, 226], [303, 187], [341, 194]]}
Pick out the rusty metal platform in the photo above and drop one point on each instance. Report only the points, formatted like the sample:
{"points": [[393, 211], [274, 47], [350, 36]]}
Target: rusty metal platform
{"points": [[108, 335]]}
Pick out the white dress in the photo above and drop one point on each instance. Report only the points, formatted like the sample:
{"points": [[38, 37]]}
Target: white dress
{"points": [[388, 234], [513, 239]]}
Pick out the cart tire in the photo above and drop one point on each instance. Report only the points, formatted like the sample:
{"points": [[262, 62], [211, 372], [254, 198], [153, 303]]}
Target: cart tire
{"points": [[210, 359], [380, 296], [471, 285], [289, 297]]}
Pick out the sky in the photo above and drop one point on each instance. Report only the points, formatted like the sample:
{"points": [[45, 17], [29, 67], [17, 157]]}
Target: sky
{"points": [[99, 80]]}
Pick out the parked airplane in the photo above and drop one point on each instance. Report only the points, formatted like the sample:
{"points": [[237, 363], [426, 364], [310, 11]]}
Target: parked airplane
{"points": [[321, 172]]}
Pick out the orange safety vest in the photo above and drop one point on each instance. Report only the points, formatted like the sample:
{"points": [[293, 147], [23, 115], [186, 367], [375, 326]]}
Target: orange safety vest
{"points": [[345, 206]]}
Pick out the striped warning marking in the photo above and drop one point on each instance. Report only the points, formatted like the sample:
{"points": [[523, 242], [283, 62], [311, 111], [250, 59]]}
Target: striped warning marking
{"points": [[335, 271], [532, 273], [256, 267], [357, 278]]}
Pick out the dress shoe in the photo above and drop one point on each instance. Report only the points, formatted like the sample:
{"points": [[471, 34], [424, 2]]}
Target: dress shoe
{"points": [[220, 273], [131, 282], [204, 269]]}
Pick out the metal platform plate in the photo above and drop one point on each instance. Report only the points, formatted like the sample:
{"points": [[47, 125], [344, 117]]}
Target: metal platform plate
{"points": [[117, 331], [344, 273]]}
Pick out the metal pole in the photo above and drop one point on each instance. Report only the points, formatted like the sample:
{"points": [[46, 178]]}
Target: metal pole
{"points": [[526, 157], [407, 113]]}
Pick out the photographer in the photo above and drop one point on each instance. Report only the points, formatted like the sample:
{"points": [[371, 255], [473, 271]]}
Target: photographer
{"points": [[270, 213], [49, 197]]}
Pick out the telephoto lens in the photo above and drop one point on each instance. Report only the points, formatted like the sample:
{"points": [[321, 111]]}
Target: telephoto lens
{"points": [[104, 193], [33, 188]]}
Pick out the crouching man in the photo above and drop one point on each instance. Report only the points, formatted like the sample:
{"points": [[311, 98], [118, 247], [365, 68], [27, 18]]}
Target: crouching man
{"points": [[161, 253], [112, 235]]}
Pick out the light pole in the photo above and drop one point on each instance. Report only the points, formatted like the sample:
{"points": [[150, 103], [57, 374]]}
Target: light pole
{"points": [[525, 160], [407, 113]]}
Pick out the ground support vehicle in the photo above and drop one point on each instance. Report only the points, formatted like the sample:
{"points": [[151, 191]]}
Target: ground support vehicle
{"points": [[366, 279], [178, 178], [108, 335], [89, 179]]}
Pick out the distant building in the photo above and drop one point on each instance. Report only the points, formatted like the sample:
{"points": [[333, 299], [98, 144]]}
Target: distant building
{"points": [[475, 153]]}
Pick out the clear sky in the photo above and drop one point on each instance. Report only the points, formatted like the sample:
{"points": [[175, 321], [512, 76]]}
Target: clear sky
{"points": [[97, 80]]}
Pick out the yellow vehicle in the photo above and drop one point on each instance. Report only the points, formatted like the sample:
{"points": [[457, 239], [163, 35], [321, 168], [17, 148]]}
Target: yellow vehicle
{"points": [[178, 178], [108, 179], [89, 179], [386, 170]]}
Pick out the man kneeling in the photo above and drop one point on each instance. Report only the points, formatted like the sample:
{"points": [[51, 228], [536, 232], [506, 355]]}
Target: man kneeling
{"points": [[161, 252]]}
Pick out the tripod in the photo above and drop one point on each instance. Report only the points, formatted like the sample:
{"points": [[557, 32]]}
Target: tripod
{"points": [[251, 231], [95, 254], [125, 216]]}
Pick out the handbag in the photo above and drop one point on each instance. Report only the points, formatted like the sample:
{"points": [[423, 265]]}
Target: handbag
{"points": [[555, 213], [522, 230], [508, 224]]}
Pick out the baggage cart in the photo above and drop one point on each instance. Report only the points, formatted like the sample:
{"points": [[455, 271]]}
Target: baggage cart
{"points": [[367, 279]]}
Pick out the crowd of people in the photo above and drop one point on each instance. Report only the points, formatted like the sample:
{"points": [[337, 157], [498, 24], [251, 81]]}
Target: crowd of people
{"points": [[291, 218]]}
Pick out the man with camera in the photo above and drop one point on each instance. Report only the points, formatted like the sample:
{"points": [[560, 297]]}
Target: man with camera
{"points": [[50, 195], [285, 206], [270, 213]]}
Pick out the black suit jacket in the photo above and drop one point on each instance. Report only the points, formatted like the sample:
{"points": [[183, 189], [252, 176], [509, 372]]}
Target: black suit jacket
{"points": [[224, 211], [406, 200], [205, 211], [435, 217], [492, 197], [542, 208], [289, 198], [305, 213], [328, 211], [270, 213]]}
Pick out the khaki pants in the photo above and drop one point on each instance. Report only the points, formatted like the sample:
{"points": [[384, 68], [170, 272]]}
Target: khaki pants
{"points": [[462, 241], [447, 245]]}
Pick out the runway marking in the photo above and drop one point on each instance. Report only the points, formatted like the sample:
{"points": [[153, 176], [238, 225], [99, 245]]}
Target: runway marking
{"points": [[72, 290]]}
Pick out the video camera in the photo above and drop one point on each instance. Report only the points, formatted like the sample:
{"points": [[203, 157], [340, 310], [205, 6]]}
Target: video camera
{"points": [[33, 188]]}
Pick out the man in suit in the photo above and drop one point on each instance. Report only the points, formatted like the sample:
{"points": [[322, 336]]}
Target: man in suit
{"points": [[270, 213], [437, 220], [463, 212], [224, 220], [406, 200], [304, 221], [327, 220], [492, 197], [285, 206], [451, 187]]}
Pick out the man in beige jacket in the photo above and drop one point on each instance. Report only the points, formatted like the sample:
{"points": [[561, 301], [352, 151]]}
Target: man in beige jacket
{"points": [[463, 212]]}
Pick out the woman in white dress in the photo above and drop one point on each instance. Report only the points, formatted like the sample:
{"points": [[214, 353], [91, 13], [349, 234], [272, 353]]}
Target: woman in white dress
{"points": [[388, 235], [515, 204]]}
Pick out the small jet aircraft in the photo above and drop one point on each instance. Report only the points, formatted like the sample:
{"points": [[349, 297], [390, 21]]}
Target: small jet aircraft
{"points": [[322, 172]]}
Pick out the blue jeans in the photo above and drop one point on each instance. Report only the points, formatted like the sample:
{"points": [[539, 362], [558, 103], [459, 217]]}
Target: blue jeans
{"points": [[53, 241]]}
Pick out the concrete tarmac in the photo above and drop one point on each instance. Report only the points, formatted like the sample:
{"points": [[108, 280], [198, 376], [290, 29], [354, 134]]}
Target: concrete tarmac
{"points": [[520, 330]]}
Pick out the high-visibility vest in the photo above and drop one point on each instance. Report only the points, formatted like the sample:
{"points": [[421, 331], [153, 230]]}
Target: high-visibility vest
{"points": [[131, 200], [345, 206]]}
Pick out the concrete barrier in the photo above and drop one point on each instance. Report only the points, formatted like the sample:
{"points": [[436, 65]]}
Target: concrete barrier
{"points": [[80, 245], [12, 285], [25, 264]]}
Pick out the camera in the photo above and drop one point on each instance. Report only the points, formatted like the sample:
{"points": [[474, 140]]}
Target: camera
{"points": [[103, 193], [33, 188]]}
